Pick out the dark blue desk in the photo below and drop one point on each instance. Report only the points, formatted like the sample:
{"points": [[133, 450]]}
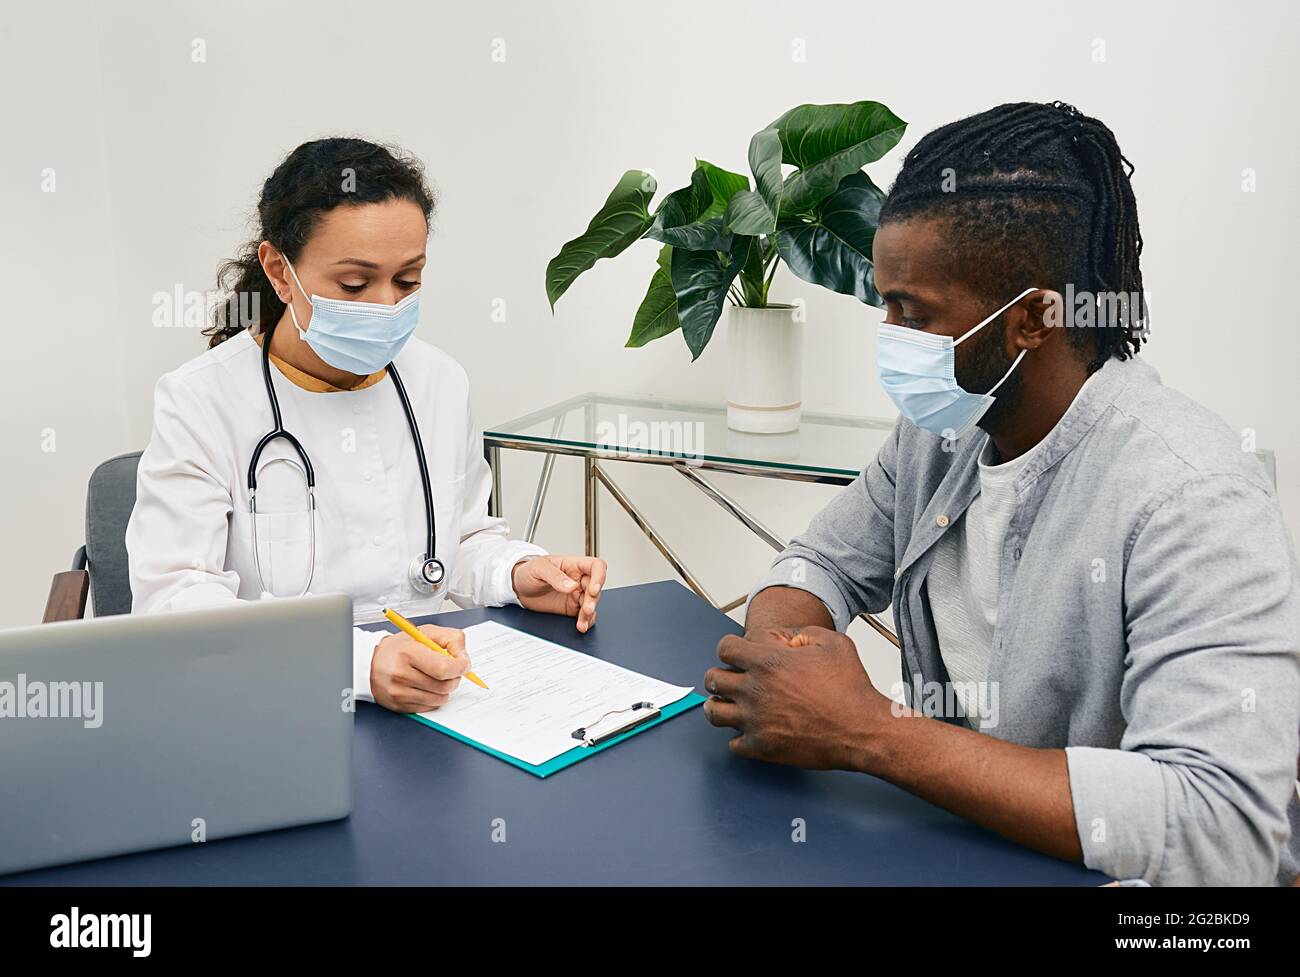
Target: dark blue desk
{"points": [[670, 806]]}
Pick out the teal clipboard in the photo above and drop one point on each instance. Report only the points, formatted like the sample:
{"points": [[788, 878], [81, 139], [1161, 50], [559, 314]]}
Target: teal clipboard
{"points": [[689, 701]]}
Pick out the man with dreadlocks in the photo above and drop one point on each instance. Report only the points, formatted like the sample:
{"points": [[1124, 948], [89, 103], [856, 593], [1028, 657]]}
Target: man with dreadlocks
{"points": [[1097, 600]]}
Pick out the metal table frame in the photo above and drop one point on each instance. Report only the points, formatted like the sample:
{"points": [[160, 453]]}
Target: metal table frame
{"points": [[595, 474]]}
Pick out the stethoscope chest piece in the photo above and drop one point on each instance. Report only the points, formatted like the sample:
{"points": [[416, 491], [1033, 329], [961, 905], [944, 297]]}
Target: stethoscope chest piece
{"points": [[427, 573]]}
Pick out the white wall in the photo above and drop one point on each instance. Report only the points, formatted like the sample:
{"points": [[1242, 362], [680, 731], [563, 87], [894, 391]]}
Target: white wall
{"points": [[158, 161], [63, 394]]}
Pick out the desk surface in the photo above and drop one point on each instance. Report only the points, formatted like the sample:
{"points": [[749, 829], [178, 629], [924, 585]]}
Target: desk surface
{"points": [[830, 444], [670, 806]]}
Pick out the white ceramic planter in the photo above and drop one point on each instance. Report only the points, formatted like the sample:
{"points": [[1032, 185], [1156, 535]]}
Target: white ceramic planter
{"points": [[764, 370]]}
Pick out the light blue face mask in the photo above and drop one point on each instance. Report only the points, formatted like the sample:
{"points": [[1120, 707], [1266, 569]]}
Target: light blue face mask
{"points": [[358, 337], [918, 371]]}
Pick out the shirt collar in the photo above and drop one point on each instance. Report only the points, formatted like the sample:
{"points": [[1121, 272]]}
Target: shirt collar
{"points": [[961, 484], [306, 381], [1095, 397]]}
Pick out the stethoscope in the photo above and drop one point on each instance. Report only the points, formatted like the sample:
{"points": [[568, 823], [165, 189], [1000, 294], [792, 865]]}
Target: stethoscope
{"points": [[426, 570]]}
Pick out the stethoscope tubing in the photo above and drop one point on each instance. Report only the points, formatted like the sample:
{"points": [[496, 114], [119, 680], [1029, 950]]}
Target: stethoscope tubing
{"points": [[309, 473]]}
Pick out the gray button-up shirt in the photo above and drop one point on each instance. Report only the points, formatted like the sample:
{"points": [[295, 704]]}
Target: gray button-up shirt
{"points": [[1148, 620]]}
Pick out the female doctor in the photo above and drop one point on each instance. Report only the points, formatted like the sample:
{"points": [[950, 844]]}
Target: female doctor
{"points": [[318, 446]]}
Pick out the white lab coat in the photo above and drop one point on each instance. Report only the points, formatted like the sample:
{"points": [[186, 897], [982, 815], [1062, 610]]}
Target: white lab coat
{"points": [[190, 537]]}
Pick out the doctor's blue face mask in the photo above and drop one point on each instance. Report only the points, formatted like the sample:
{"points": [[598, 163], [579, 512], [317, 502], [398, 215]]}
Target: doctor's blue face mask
{"points": [[918, 371], [357, 337]]}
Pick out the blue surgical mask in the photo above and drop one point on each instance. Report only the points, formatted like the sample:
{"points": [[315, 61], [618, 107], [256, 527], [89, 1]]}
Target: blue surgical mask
{"points": [[358, 337], [918, 371]]}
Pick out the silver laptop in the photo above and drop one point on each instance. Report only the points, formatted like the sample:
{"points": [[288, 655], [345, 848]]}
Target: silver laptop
{"points": [[126, 733]]}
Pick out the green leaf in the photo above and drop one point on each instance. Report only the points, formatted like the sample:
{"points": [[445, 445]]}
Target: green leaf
{"points": [[828, 143], [700, 280], [754, 211], [724, 185], [812, 133], [679, 219], [705, 235], [622, 220], [765, 162], [657, 315], [684, 205], [834, 250], [748, 214]]}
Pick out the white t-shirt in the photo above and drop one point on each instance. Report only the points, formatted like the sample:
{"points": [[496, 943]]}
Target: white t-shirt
{"points": [[964, 578]]}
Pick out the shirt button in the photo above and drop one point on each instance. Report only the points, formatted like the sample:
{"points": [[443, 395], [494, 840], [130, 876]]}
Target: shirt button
{"points": [[379, 541], [383, 599], [942, 521], [367, 476], [356, 408], [1017, 553]]}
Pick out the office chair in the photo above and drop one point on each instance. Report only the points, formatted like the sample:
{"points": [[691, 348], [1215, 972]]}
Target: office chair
{"points": [[99, 568]]}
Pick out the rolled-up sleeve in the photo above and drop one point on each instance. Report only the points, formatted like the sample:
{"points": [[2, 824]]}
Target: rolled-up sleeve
{"points": [[1197, 793], [845, 557]]}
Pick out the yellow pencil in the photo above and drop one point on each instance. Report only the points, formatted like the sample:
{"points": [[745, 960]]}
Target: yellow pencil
{"points": [[425, 640]]}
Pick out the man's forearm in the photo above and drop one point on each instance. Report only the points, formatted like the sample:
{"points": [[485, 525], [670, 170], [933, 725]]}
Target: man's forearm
{"points": [[1020, 792], [785, 607]]}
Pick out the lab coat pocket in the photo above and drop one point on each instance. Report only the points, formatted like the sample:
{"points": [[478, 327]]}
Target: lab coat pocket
{"points": [[284, 552]]}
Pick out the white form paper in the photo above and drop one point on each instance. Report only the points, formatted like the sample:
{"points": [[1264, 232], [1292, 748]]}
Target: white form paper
{"points": [[538, 693]]}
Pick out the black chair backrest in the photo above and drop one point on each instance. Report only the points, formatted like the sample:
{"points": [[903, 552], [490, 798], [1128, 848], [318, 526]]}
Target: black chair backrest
{"points": [[110, 497]]}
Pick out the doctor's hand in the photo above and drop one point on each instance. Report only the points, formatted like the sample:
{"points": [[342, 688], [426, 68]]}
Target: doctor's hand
{"points": [[405, 676], [568, 585]]}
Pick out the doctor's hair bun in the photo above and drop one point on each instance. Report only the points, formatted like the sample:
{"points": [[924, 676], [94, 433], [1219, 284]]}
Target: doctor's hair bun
{"points": [[312, 180]]}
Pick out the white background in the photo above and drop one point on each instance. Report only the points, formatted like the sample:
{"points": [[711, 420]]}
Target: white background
{"points": [[158, 160]]}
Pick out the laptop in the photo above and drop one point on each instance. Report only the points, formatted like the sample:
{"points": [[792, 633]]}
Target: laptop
{"points": [[127, 733]]}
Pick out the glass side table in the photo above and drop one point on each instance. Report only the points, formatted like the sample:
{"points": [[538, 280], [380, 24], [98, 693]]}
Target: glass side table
{"points": [[691, 438]]}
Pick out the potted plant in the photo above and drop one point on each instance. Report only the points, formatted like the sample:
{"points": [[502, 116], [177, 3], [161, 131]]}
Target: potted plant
{"points": [[811, 206]]}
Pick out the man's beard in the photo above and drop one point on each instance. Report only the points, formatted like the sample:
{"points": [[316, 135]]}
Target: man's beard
{"points": [[984, 366]]}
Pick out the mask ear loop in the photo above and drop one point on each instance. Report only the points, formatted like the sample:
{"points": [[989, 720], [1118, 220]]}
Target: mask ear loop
{"points": [[974, 329], [1016, 362], [302, 333]]}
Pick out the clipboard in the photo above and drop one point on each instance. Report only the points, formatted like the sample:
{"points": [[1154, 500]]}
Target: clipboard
{"points": [[580, 752]]}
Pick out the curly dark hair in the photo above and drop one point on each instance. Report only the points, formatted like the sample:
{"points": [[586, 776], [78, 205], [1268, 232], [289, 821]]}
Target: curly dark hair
{"points": [[313, 179], [1034, 194]]}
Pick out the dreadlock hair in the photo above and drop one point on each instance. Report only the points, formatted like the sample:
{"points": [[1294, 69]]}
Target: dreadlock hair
{"points": [[1035, 194], [312, 180]]}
